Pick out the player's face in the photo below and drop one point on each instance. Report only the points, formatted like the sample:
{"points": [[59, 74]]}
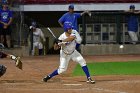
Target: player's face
{"points": [[5, 6], [132, 9], [69, 31], [71, 10], [34, 28]]}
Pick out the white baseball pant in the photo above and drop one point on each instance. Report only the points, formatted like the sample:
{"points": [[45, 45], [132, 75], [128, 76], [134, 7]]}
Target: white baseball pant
{"points": [[65, 58], [37, 45], [133, 36]]}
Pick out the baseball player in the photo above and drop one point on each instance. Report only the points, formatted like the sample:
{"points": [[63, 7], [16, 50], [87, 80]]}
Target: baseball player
{"points": [[72, 17], [17, 61], [132, 21], [5, 22], [37, 36], [67, 42]]}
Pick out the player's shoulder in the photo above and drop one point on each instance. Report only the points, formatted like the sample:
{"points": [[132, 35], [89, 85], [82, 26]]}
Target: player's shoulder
{"points": [[62, 35], [74, 31], [38, 29], [66, 14]]}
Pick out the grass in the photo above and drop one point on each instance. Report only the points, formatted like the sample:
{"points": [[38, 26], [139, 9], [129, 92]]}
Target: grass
{"points": [[110, 68]]}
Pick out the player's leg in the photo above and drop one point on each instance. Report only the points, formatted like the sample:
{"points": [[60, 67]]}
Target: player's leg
{"points": [[64, 60], [35, 44], [77, 57], [8, 40], [40, 47], [1, 35], [133, 36], [8, 36], [2, 39]]}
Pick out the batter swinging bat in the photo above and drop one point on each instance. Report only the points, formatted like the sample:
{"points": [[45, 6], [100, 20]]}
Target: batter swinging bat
{"points": [[51, 32]]}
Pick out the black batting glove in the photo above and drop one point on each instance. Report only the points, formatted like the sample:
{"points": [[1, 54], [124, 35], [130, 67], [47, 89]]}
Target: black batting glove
{"points": [[57, 41]]}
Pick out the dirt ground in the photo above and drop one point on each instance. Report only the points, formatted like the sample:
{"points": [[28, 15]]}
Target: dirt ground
{"points": [[35, 68]]}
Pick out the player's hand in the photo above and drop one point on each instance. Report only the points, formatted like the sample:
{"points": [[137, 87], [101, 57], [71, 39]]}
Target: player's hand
{"points": [[57, 41], [56, 46], [88, 12], [30, 27], [5, 26]]}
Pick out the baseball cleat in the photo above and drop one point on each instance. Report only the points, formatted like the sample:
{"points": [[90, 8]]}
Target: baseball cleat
{"points": [[18, 63], [89, 80], [45, 79]]}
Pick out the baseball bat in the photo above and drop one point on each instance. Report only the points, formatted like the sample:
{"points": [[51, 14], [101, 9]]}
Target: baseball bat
{"points": [[51, 32]]}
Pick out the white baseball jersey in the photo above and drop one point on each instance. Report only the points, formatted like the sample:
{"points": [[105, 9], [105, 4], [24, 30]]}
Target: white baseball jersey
{"points": [[69, 47], [69, 52], [37, 35]]}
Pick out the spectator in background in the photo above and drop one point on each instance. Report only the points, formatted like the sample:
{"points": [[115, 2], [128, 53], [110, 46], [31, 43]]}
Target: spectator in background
{"points": [[72, 17], [132, 22], [5, 22], [37, 36]]}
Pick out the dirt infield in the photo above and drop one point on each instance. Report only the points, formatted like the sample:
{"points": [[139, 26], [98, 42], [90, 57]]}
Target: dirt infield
{"points": [[35, 68]]}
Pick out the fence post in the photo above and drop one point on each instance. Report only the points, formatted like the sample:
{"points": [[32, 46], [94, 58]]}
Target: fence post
{"points": [[84, 29], [118, 37]]}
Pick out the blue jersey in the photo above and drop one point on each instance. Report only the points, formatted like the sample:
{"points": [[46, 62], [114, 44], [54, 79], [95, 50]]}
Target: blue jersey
{"points": [[68, 17], [5, 16], [132, 23]]}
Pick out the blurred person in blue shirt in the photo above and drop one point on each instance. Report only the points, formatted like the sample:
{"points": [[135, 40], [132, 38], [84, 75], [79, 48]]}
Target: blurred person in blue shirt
{"points": [[132, 22], [5, 22], [72, 17]]}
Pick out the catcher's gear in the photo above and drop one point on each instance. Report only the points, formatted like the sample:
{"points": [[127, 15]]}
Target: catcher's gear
{"points": [[2, 70], [18, 63]]}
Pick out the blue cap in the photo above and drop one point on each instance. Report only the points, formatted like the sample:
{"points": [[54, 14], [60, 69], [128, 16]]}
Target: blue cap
{"points": [[71, 6], [67, 25], [132, 7]]}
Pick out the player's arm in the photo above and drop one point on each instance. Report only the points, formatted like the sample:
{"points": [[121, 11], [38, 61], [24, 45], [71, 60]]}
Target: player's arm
{"points": [[61, 20], [69, 39], [86, 12], [42, 35], [60, 24], [137, 12], [10, 21], [11, 18], [3, 23]]}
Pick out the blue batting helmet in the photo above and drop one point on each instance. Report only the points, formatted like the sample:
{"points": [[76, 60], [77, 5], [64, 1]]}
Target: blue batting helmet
{"points": [[67, 25], [132, 7]]}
